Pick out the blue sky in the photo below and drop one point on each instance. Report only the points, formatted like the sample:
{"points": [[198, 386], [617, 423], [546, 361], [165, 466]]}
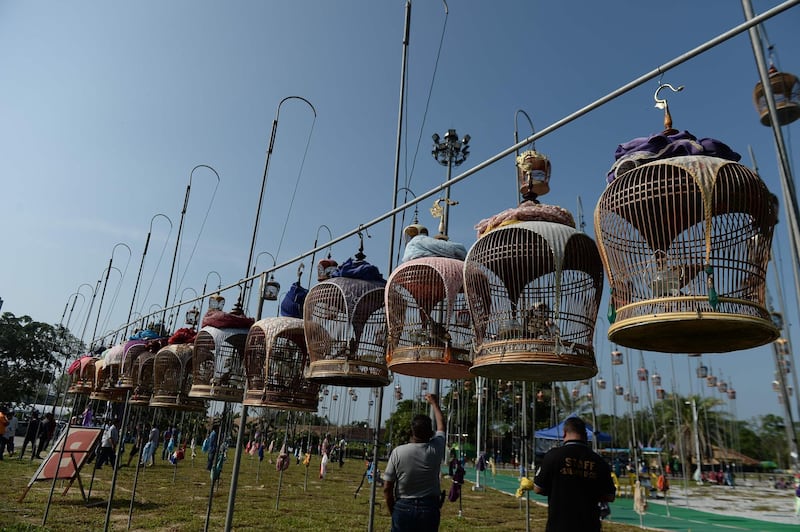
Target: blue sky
{"points": [[105, 108]]}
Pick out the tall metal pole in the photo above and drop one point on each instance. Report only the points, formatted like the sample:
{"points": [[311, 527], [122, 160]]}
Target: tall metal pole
{"points": [[479, 382], [699, 472], [239, 438], [141, 266], [270, 148], [178, 239], [393, 229]]}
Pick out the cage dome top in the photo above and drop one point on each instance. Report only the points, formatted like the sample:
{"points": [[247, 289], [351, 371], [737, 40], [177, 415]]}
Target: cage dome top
{"points": [[665, 145]]}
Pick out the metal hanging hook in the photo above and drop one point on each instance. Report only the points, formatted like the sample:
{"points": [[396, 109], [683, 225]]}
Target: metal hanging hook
{"points": [[661, 103], [360, 255]]}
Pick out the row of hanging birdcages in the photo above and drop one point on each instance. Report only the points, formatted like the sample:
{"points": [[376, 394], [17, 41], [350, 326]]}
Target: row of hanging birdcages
{"points": [[684, 241]]}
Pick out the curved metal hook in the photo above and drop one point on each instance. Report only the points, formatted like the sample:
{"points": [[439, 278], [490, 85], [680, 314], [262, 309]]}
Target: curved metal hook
{"points": [[202, 166], [516, 128], [255, 262], [360, 255], [277, 113], [86, 284], [162, 215], [218, 277], [660, 102], [125, 246]]}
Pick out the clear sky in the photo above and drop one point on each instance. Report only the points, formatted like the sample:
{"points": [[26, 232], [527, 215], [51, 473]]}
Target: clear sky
{"points": [[106, 107]]}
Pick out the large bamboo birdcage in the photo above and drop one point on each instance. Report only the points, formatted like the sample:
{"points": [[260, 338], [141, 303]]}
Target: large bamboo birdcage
{"points": [[101, 390], [685, 242], [217, 372], [345, 327], [131, 351], [82, 375], [276, 358], [112, 358], [142, 370], [430, 330], [533, 289], [172, 379]]}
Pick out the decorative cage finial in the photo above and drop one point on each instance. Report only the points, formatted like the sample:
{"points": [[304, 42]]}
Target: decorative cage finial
{"points": [[662, 104]]}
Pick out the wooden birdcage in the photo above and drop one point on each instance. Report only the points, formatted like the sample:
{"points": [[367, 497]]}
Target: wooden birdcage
{"points": [[786, 91], [345, 327], [685, 242], [131, 351], [711, 381], [217, 372], [722, 386], [142, 371], [430, 332], [619, 390], [533, 289], [641, 374], [656, 379], [113, 364], [101, 389], [601, 383], [616, 358], [82, 375], [275, 359], [172, 379], [660, 394]]}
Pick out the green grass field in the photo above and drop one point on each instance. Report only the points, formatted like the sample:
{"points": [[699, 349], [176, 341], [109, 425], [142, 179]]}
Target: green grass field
{"points": [[173, 499]]}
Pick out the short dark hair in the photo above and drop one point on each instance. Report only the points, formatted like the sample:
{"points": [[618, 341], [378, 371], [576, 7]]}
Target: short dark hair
{"points": [[422, 427], [575, 425]]}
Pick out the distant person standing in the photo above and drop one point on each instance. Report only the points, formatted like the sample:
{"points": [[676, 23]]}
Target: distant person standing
{"points": [[212, 446], [411, 486], [11, 431], [4, 420], [149, 453], [31, 433], [46, 431], [108, 445], [576, 480]]}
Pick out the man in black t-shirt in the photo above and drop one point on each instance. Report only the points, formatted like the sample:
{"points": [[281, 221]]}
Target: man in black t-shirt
{"points": [[575, 479]]}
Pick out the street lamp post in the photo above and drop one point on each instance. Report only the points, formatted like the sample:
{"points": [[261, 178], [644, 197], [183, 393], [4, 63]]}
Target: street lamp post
{"points": [[448, 152]]}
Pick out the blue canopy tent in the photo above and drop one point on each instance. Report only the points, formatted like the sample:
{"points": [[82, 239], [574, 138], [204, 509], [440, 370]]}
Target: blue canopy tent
{"points": [[555, 434]]}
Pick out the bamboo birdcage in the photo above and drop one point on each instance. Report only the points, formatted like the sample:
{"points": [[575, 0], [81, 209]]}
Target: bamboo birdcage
{"points": [[113, 364], [275, 359], [786, 91], [142, 370], [172, 379], [345, 328], [131, 351], [430, 333], [101, 390], [217, 372], [82, 375], [685, 242], [534, 288]]}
